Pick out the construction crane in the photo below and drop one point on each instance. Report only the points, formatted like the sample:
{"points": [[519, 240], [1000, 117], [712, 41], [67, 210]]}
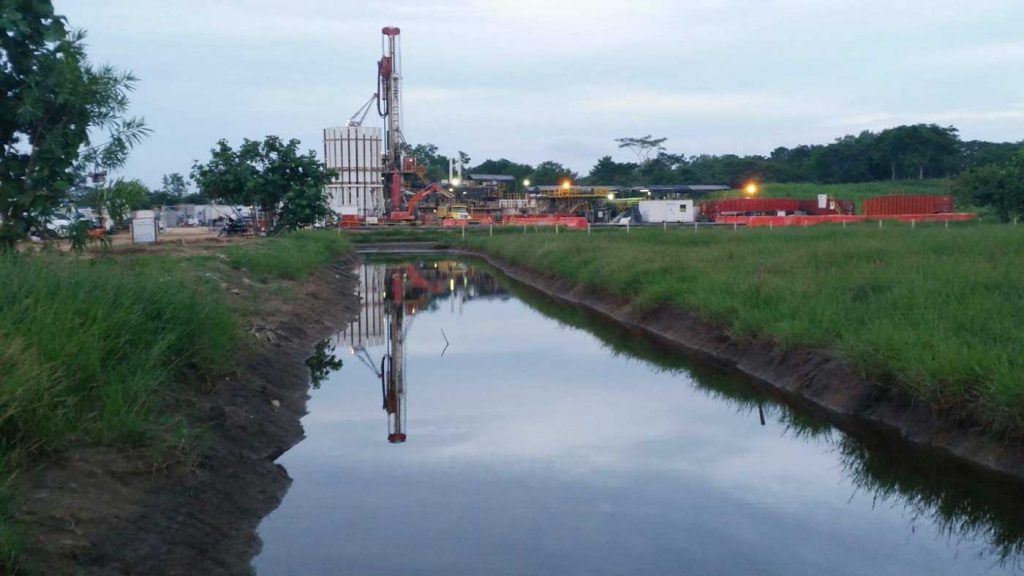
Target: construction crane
{"points": [[360, 115], [389, 75]]}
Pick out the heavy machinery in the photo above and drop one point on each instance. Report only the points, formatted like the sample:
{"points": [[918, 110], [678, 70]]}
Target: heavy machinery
{"points": [[389, 76], [409, 214]]}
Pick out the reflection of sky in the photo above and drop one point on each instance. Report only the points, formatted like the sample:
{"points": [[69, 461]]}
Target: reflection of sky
{"points": [[533, 451]]}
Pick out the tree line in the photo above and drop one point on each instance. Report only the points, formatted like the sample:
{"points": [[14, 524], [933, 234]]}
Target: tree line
{"points": [[903, 152]]}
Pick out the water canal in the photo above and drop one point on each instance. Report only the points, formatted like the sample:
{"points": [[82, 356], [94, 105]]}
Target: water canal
{"points": [[464, 425]]}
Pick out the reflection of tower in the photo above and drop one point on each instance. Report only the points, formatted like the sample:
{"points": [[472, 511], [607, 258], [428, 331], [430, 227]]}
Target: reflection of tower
{"points": [[393, 363]]}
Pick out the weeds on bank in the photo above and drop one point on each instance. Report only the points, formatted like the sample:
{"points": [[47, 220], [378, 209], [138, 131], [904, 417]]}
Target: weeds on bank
{"points": [[936, 311], [93, 349], [291, 256]]}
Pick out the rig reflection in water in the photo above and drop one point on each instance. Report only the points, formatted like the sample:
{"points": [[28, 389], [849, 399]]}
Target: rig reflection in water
{"points": [[391, 297]]}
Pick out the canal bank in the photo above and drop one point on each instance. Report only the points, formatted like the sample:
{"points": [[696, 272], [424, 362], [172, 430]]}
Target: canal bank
{"points": [[526, 435], [194, 508], [819, 376]]}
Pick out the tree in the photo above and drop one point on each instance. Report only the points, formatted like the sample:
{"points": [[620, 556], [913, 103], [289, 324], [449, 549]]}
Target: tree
{"points": [[999, 187], [174, 185], [551, 173], [119, 198], [53, 104], [644, 147], [504, 167], [290, 188], [612, 173]]}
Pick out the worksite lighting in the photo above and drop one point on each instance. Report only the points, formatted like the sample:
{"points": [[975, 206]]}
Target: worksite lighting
{"points": [[751, 189], [526, 182], [611, 196], [566, 185], [456, 182]]}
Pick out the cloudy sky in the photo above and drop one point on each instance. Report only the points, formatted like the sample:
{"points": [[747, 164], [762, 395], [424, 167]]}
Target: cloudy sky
{"points": [[534, 80]]}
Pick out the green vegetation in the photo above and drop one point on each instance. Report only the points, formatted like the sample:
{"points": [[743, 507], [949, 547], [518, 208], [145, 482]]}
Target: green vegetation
{"points": [[291, 256], [95, 350], [405, 234], [937, 312], [288, 187], [56, 110], [998, 187], [858, 192]]}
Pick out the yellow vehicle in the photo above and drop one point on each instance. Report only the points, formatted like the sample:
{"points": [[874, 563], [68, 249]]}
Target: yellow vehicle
{"points": [[453, 212]]}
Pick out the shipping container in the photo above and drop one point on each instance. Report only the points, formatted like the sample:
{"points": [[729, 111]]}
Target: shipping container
{"points": [[832, 206], [907, 204], [355, 153], [713, 209]]}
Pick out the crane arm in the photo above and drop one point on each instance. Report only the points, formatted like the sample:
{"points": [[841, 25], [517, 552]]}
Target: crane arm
{"points": [[362, 112]]}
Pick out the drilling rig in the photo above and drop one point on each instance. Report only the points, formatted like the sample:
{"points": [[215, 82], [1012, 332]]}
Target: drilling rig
{"points": [[389, 105]]}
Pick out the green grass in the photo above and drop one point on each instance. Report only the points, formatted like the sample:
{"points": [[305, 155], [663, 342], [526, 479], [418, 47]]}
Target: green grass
{"points": [[857, 192], [291, 256], [94, 350], [936, 312], [405, 234]]}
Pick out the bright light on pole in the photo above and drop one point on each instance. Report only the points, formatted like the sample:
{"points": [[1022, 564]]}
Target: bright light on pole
{"points": [[751, 189], [526, 182], [566, 185]]}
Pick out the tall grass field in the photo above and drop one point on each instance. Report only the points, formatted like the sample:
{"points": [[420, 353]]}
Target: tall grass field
{"points": [[937, 312], [92, 348]]}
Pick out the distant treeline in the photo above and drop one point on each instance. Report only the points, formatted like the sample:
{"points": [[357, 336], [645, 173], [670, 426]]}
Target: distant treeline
{"points": [[903, 152]]}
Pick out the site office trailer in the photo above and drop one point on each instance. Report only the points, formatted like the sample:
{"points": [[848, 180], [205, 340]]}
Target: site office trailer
{"points": [[354, 152], [658, 211]]}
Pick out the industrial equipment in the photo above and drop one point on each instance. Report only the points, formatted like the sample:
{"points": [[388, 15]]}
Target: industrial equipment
{"points": [[409, 214], [389, 76]]}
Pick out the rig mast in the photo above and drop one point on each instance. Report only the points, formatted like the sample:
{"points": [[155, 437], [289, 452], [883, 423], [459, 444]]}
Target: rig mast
{"points": [[389, 75]]}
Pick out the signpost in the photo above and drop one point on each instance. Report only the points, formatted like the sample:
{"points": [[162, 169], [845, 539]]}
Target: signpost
{"points": [[144, 227]]}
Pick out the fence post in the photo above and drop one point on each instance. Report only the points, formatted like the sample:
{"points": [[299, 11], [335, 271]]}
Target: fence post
{"points": [[627, 226], [735, 226], [524, 228], [463, 231], [490, 229], [771, 225], [879, 224], [694, 226], [913, 224], [844, 224], [556, 228], [664, 225], [588, 227]]}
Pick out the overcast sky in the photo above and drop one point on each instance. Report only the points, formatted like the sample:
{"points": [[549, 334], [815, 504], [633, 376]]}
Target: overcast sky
{"points": [[534, 80]]}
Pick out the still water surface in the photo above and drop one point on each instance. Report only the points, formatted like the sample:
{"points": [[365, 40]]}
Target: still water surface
{"points": [[520, 436]]}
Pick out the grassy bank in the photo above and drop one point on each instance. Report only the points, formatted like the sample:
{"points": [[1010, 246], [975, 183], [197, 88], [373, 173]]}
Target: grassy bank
{"points": [[91, 349], [858, 192], [289, 257], [936, 312]]}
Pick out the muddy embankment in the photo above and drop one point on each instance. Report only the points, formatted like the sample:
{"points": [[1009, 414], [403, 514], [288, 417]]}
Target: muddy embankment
{"points": [[105, 511], [817, 377]]}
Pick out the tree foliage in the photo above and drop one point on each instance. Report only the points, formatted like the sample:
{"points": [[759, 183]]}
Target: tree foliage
{"points": [[645, 147], [289, 187], [54, 103], [999, 187]]}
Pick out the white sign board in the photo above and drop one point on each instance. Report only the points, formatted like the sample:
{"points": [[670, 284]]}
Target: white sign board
{"points": [[143, 230], [822, 201]]}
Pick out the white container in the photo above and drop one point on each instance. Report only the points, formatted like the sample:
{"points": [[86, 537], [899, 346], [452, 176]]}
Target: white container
{"points": [[355, 153], [658, 211]]}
